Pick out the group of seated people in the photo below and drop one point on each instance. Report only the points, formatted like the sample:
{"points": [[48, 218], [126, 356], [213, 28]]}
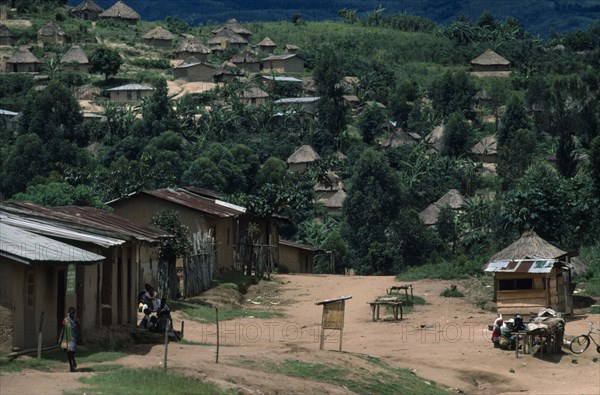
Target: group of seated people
{"points": [[503, 333], [157, 314]]}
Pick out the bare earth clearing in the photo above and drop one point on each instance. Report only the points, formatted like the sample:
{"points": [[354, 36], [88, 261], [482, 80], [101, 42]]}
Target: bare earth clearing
{"points": [[452, 349]]}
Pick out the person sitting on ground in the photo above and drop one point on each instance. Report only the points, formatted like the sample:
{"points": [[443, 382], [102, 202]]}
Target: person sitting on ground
{"points": [[497, 331], [150, 297], [145, 322], [164, 315]]}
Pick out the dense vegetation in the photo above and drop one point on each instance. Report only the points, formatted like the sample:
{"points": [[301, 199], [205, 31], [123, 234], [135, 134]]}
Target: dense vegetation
{"points": [[417, 69]]}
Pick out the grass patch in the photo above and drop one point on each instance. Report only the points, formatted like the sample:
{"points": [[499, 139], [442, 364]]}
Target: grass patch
{"points": [[205, 314], [452, 292], [146, 382], [86, 356], [595, 309], [379, 378], [236, 280], [194, 343], [104, 368], [8, 365]]}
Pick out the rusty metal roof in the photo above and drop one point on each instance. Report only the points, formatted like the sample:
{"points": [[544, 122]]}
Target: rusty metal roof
{"points": [[88, 219], [521, 266], [300, 246], [182, 197], [28, 248]]}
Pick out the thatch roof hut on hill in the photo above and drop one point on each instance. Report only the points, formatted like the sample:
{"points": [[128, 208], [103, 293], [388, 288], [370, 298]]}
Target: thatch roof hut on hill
{"points": [[75, 60], [490, 62], [235, 27], [225, 39], [486, 149], [7, 37], [248, 60], [399, 138], [302, 157], [122, 12], [291, 48], [267, 45], [159, 37], [452, 198], [531, 274], [226, 72], [191, 46], [335, 203], [193, 70], [52, 33], [87, 10], [434, 139], [23, 61], [253, 95]]}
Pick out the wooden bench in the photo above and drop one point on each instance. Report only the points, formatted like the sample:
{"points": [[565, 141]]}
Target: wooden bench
{"points": [[394, 302]]}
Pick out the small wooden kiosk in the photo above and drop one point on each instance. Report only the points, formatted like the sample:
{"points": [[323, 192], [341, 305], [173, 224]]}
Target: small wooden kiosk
{"points": [[333, 316]]}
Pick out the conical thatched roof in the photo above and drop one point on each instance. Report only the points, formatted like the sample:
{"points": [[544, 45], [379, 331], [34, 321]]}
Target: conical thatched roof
{"points": [[398, 138], [253, 92], [452, 198], [228, 68], [74, 55], [485, 146], [304, 154], [23, 55], [488, 58], [340, 155], [158, 33], [267, 43], [192, 45], [5, 31], [529, 245], [333, 182], [337, 200], [234, 26], [246, 55], [87, 5], [291, 48], [120, 10], [51, 29], [227, 36], [435, 137]]}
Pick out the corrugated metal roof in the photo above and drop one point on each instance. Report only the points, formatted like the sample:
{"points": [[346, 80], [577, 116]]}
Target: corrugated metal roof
{"points": [[48, 229], [28, 248], [8, 113], [216, 208], [299, 245], [131, 87], [521, 266], [281, 78], [291, 100], [88, 219]]}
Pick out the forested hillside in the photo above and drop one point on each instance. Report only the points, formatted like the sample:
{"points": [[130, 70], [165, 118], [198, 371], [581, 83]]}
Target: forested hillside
{"points": [[398, 116], [538, 17]]}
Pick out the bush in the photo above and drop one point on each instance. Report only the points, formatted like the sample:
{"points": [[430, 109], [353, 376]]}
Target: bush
{"points": [[452, 292]]}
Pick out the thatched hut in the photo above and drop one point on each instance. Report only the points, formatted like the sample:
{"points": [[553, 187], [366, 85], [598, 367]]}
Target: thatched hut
{"points": [[486, 150], [248, 60], [531, 274], [452, 198], [225, 39], [335, 203], [87, 10], [53, 34], [490, 62], [235, 27], [226, 72], [253, 95], [7, 37], [159, 37], [267, 45], [290, 48], [121, 12], [399, 138], [434, 139], [75, 60], [302, 157], [23, 61], [191, 46]]}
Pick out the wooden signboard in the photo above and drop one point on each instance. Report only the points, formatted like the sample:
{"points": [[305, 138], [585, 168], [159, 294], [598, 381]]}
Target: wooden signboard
{"points": [[333, 316]]}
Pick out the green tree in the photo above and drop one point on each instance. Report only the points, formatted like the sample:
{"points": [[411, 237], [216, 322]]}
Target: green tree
{"points": [[371, 123], [105, 61], [515, 155], [513, 119], [458, 136], [61, 194], [595, 164], [273, 171], [370, 208], [453, 92], [27, 160]]}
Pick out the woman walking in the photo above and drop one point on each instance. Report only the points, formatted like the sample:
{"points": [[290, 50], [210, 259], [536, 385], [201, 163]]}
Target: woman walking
{"points": [[70, 335]]}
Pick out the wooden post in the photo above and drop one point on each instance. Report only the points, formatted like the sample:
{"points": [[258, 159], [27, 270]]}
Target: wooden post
{"points": [[182, 325], [217, 321], [39, 345], [166, 344]]}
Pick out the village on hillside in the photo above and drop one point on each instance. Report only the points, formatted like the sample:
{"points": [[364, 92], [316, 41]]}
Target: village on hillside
{"points": [[157, 176]]}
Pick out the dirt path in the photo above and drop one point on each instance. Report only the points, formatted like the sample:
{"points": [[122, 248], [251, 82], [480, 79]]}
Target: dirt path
{"points": [[445, 341]]}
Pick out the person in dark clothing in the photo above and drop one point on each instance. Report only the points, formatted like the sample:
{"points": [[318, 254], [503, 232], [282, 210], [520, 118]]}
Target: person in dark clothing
{"points": [[69, 337]]}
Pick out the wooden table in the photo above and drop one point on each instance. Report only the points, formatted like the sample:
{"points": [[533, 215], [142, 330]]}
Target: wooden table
{"points": [[394, 302], [396, 289]]}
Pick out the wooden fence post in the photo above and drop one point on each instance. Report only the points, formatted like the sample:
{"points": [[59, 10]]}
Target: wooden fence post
{"points": [[166, 344], [217, 320], [39, 345]]}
